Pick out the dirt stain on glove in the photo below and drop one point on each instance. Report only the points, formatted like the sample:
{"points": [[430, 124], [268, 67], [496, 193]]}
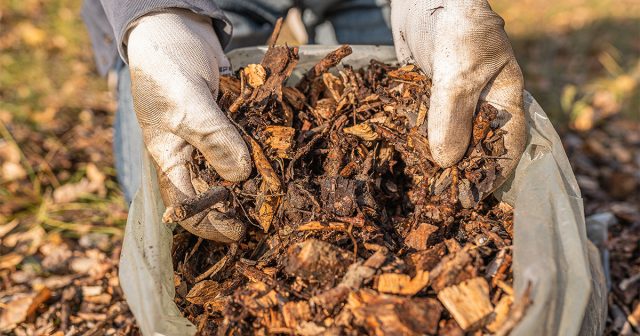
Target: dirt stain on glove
{"points": [[148, 100]]}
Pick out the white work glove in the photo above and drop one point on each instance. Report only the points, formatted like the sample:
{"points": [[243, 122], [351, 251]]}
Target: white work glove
{"points": [[462, 46], [174, 58]]}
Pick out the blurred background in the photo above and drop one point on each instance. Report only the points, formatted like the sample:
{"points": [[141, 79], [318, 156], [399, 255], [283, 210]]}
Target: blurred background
{"points": [[62, 214]]}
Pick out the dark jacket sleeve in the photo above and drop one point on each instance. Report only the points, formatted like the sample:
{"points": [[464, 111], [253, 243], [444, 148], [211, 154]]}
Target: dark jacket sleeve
{"points": [[108, 20], [355, 21]]}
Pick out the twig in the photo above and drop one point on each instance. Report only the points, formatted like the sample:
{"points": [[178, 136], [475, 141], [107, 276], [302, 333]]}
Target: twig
{"points": [[193, 206], [326, 63], [304, 150], [276, 32], [518, 309], [624, 284], [217, 267], [193, 250]]}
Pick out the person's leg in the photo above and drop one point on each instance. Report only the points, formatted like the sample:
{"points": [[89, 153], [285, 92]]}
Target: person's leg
{"points": [[252, 20], [127, 138], [348, 21]]}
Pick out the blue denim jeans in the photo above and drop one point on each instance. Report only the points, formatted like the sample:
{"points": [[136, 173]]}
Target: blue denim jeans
{"points": [[343, 27]]}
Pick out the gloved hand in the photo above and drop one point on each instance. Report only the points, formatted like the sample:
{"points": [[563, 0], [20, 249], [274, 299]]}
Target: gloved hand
{"points": [[462, 46], [174, 57]]}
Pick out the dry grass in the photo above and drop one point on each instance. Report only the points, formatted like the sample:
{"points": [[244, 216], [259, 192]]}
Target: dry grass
{"points": [[581, 58]]}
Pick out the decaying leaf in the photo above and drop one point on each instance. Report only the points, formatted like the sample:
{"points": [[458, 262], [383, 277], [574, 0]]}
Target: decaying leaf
{"points": [[10, 260], [272, 182], [203, 292], [21, 307], [15, 311], [408, 73], [403, 284], [364, 131], [10, 169], [94, 183]]}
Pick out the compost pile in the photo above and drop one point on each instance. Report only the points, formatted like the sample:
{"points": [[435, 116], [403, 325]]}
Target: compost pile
{"points": [[351, 226]]}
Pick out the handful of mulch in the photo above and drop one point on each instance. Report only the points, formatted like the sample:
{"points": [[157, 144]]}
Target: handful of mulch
{"points": [[351, 227]]}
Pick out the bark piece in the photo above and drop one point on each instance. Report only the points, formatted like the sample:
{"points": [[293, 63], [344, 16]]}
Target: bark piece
{"points": [[294, 97], [267, 205], [264, 168], [255, 74], [356, 275], [363, 131], [278, 62], [418, 237], [455, 268], [338, 195], [482, 123], [382, 314], [325, 109], [408, 72], [315, 260], [426, 260]]}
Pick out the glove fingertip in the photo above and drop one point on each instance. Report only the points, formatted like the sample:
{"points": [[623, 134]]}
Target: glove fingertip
{"points": [[231, 157], [228, 229], [449, 125], [446, 154], [237, 171]]}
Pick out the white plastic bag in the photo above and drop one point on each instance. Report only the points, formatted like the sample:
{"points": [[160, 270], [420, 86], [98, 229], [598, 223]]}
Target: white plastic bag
{"points": [[551, 250]]}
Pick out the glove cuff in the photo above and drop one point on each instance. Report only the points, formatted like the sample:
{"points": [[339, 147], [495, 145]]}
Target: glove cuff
{"points": [[172, 24]]}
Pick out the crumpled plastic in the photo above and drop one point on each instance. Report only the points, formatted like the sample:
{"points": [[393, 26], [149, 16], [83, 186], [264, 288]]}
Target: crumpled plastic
{"points": [[551, 250]]}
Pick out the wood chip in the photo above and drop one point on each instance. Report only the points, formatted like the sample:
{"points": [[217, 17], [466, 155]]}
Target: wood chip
{"points": [[280, 139], [256, 75], [296, 312], [393, 283], [468, 302], [382, 314], [501, 313]]}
